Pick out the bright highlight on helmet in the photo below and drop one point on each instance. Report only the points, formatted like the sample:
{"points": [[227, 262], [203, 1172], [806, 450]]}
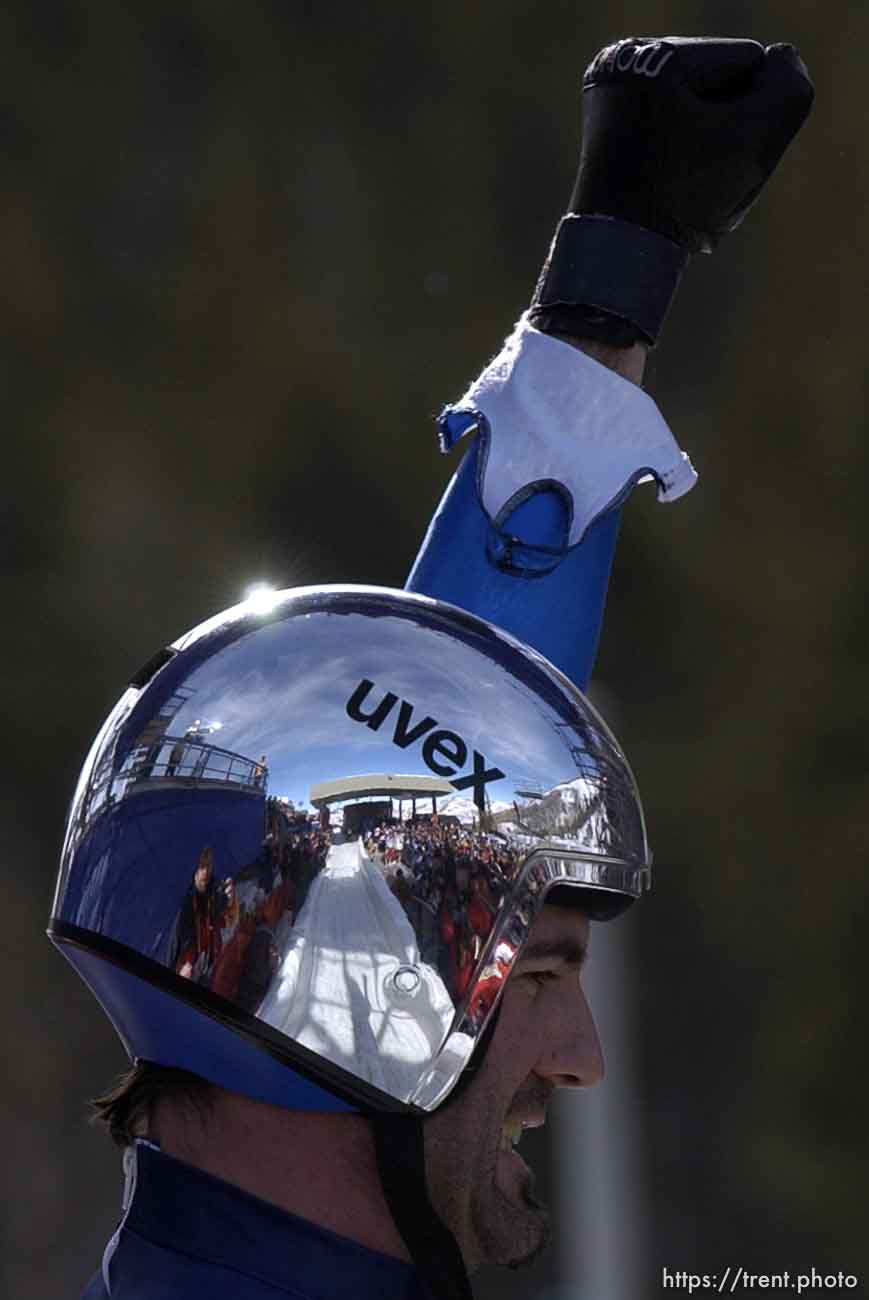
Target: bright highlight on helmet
{"points": [[261, 599]]}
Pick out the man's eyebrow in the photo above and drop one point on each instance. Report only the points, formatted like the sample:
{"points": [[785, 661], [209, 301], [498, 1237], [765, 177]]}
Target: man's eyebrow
{"points": [[570, 951]]}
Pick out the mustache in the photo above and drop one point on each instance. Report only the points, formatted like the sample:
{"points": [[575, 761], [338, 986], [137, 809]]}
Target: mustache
{"points": [[532, 1099]]}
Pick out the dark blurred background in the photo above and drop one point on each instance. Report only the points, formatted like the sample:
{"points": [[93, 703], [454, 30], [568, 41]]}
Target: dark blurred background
{"points": [[249, 250]]}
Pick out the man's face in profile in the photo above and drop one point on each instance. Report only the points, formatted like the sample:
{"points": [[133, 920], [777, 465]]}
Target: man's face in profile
{"points": [[545, 1039]]}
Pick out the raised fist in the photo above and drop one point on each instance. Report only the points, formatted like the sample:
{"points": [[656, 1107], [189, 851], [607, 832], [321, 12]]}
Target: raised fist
{"points": [[680, 133]]}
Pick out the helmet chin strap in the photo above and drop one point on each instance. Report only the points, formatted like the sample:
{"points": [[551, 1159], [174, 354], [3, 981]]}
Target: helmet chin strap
{"points": [[399, 1146], [400, 1151]]}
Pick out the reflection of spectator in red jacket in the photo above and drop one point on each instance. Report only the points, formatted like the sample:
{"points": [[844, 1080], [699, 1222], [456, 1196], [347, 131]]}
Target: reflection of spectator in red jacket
{"points": [[198, 923], [463, 963], [491, 980], [459, 942], [447, 921], [479, 916], [279, 896], [236, 931]]}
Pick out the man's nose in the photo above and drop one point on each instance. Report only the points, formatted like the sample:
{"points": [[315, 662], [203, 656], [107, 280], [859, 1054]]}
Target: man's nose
{"points": [[573, 1057]]}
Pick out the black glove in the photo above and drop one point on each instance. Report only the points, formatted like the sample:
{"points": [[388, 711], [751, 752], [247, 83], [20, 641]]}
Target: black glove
{"points": [[679, 136]]}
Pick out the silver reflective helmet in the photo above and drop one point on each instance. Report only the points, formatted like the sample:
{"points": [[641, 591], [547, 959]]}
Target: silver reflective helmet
{"points": [[310, 840]]}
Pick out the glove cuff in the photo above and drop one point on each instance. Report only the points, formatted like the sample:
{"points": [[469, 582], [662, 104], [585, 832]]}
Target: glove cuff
{"points": [[617, 268]]}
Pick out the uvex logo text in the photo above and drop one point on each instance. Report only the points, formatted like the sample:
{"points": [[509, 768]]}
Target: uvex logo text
{"points": [[445, 752]]}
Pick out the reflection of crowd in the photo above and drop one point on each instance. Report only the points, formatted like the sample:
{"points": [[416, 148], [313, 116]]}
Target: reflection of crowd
{"points": [[450, 881], [225, 930]]}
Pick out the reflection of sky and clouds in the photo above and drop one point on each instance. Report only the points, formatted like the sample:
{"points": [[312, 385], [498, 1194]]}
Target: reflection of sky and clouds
{"points": [[282, 691]]}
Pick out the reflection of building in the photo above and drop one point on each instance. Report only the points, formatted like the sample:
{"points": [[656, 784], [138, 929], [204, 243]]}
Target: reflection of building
{"points": [[367, 795], [103, 786], [162, 757], [154, 733], [191, 760]]}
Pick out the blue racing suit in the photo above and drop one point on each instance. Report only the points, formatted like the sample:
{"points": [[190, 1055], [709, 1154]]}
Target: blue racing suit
{"points": [[188, 1236]]}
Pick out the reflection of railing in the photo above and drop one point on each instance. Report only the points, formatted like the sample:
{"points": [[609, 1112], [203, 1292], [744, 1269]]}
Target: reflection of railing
{"points": [[184, 759], [178, 758]]}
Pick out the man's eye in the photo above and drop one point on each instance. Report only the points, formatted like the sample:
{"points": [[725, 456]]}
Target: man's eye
{"points": [[542, 976]]}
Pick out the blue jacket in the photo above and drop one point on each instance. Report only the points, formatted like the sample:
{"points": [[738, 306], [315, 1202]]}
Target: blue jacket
{"points": [[186, 1235]]}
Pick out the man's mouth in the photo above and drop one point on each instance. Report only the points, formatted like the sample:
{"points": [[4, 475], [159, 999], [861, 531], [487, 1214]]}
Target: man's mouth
{"points": [[513, 1176], [510, 1134], [515, 1126]]}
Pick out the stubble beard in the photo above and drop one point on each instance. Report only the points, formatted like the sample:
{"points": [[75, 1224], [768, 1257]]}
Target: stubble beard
{"points": [[508, 1233], [489, 1225]]}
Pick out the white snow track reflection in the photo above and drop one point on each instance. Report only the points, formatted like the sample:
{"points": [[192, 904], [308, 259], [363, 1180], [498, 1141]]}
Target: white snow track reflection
{"points": [[335, 991]]}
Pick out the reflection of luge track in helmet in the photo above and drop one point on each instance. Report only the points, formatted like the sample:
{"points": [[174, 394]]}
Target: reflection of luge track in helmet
{"points": [[336, 991]]}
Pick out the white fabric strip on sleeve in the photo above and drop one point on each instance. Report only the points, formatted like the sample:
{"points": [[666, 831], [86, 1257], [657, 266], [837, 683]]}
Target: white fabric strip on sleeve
{"points": [[554, 413]]}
